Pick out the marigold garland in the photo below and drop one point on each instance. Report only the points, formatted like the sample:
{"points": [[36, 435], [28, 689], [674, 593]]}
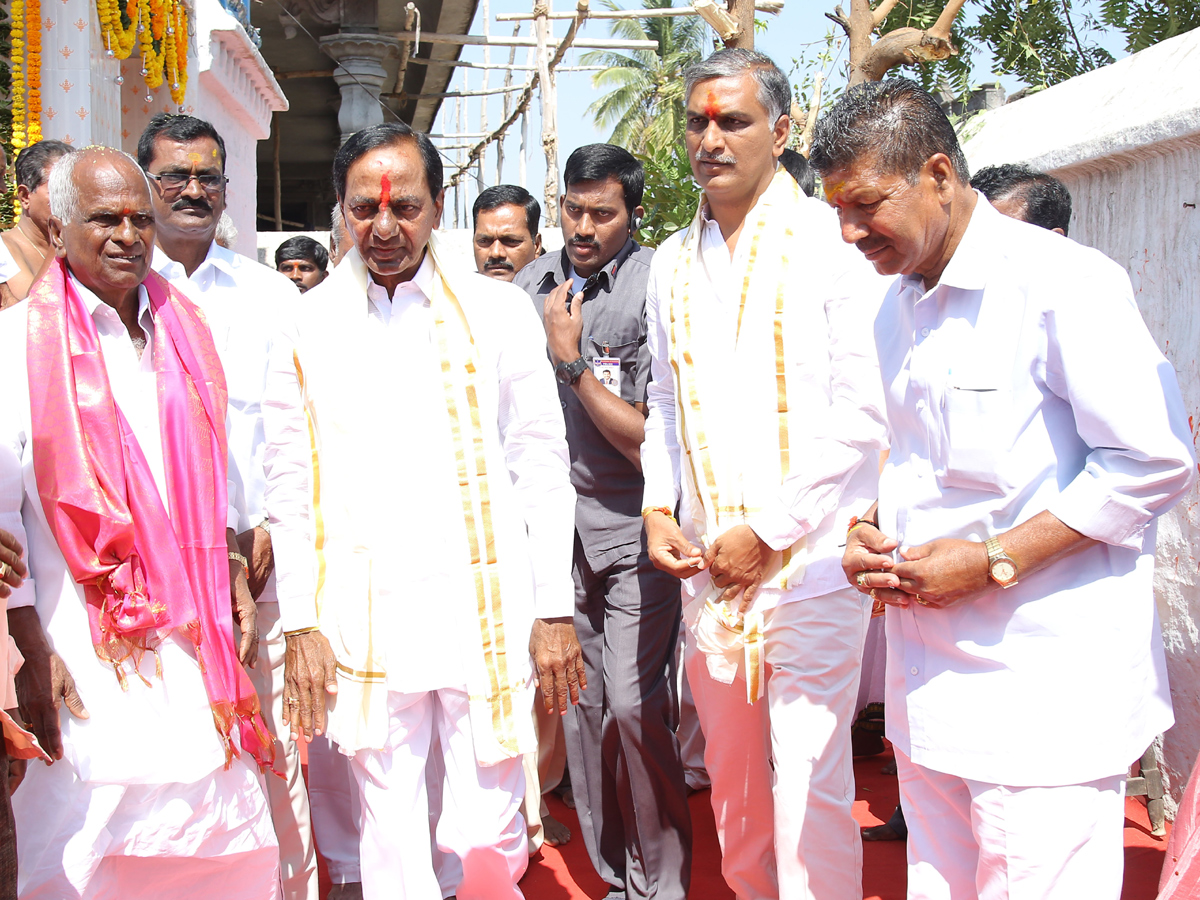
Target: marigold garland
{"points": [[33, 76], [17, 59], [159, 28]]}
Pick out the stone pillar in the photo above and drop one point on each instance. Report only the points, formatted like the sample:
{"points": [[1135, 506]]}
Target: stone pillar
{"points": [[360, 75]]}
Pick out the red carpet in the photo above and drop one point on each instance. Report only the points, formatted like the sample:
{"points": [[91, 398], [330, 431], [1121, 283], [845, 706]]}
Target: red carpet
{"points": [[565, 873]]}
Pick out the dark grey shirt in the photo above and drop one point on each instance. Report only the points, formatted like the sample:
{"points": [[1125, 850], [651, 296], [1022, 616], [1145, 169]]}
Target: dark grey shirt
{"points": [[608, 513]]}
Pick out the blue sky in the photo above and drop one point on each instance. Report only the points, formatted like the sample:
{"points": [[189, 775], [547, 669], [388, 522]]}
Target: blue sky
{"points": [[802, 22]]}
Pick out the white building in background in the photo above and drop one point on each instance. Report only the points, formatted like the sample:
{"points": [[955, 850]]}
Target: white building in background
{"points": [[1125, 139], [89, 97]]}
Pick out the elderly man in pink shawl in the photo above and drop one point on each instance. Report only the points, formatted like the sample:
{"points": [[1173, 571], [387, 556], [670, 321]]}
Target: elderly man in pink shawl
{"points": [[113, 465]]}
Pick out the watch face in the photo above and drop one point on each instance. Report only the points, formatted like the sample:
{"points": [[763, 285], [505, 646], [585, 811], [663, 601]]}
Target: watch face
{"points": [[1003, 571]]}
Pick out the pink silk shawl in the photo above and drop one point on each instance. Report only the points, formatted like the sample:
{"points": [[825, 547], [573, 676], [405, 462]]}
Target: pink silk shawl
{"points": [[144, 573]]}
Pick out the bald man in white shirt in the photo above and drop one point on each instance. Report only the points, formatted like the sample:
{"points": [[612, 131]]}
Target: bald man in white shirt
{"points": [[1036, 434]]}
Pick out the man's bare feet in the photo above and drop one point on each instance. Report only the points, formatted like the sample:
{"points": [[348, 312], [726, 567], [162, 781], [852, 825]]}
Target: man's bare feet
{"points": [[554, 832]]}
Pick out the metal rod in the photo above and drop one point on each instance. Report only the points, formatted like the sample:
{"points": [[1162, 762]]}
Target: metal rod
{"points": [[305, 73], [470, 65], [767, 6], [448, 94], [278, 178], [495, 41]]}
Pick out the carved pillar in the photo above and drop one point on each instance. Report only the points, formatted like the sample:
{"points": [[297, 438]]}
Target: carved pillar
{"points": [[360, 75]]}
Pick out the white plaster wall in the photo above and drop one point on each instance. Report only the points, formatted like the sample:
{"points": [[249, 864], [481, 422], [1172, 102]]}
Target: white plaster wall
{"points": [[1126, 142]]}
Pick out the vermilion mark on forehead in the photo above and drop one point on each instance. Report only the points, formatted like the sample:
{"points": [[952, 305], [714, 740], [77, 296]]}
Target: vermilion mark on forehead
{"points": [[385, 190], [711, 108]]}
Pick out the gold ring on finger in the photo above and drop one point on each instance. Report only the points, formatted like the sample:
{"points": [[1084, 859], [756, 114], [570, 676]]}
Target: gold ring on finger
{"points": [[862, 579], [922, 600], [5, 568]]}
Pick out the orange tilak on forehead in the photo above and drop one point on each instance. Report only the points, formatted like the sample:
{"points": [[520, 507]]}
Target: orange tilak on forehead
{"points": [[833, 190], [196, 157], [711, 108], [385, 190]]}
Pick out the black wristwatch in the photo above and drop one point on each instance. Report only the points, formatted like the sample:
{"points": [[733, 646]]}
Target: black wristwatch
{"points": [[569, 373]]}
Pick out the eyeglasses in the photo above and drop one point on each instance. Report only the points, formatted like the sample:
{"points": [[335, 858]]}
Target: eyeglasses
{"points": [[175, 182]]}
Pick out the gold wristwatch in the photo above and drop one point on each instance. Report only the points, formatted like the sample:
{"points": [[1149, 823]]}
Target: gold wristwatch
{"points": [[1002, 568]]}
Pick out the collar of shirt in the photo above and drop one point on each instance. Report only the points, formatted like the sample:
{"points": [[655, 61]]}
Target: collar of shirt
{"points": [[106, 318], [218, 261], [605, 277], [418, 289], [973, 258]]}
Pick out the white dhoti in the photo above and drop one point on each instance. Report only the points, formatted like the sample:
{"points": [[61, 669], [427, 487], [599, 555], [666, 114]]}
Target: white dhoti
{"points": [[287, 795], [333, 798], [480, 823], [782, 774], [91, 841], [969, 840]]}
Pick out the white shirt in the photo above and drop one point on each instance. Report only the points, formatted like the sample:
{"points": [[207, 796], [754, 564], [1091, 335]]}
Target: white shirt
{"points": [[423, 598], [8, 265], [1026, 381], [152, 733], [834, 466], [243, 302]]}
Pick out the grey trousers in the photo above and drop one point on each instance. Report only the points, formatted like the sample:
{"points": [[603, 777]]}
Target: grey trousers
{"points": [[624, 759]]}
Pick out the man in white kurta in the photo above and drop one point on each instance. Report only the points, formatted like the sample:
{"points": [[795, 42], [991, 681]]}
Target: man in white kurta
{"points": [[421, 514], [1036, 432], [244, 303], [140, 801], [765, 421]]}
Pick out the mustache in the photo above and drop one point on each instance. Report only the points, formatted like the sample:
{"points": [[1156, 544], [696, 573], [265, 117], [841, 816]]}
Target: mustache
{"points": [[578, 241], [726, 158], [191, 203], [494, 261]]}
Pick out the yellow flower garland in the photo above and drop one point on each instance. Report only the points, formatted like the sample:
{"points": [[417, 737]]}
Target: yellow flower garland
{"points": [[17, 61], [33, 31], [159, 28]]}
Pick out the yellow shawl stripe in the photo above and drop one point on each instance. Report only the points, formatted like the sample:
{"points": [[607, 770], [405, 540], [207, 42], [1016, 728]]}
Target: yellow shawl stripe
{"points": [[459, 383], [699, 456], [318, 518]]}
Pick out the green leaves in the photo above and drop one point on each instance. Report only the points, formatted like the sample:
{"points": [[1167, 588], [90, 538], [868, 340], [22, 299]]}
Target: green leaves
{"points": [[671, 194]]}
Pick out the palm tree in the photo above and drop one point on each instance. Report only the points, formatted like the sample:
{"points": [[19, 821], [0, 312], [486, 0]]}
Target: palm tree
{"points": [[644, 103]]}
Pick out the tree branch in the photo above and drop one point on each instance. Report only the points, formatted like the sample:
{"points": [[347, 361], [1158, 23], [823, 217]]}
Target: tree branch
{"points": [[882, 10], [810, 122], [941, 28], [840, 17]]}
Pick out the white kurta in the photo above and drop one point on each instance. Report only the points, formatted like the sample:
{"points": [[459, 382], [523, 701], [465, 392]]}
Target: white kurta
{"points": [[828, 344], [245, 302], [1027, 381], [423, 600], [138, 740]]}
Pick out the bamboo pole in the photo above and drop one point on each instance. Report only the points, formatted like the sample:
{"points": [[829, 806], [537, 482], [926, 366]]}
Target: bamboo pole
{"points": [[541, 28], [512, 58], [478, 39], [767, 6], [483, 117]]}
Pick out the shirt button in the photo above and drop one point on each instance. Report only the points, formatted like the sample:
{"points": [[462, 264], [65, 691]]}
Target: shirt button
{"points": [[924, 332], [564, 404], [920, 405], [913, 670]]}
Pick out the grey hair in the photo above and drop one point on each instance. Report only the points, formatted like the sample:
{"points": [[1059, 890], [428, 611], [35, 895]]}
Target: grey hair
{"points": [[774, 92], [64, 193], [226, 231], [337, 226], [895, 122]]}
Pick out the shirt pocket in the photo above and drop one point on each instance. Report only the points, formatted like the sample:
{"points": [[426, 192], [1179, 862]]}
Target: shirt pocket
{"points": [[976, 425]]}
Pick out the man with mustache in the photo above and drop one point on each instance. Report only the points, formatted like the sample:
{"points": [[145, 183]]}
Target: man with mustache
{"points": [[765, 421], [1037, 431], [626, 772], [113, 456], [507, 238], [244, 302]]}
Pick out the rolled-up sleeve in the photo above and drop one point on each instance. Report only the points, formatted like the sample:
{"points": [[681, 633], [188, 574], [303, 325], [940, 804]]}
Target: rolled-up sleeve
{"points": [[660, 447], [1123, 393], [838, 438], [287, 461], [534, 439]]}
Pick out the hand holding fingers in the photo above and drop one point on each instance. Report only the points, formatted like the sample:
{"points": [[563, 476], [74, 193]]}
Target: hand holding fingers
{"points": [[944, 572], [669, 550]]}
